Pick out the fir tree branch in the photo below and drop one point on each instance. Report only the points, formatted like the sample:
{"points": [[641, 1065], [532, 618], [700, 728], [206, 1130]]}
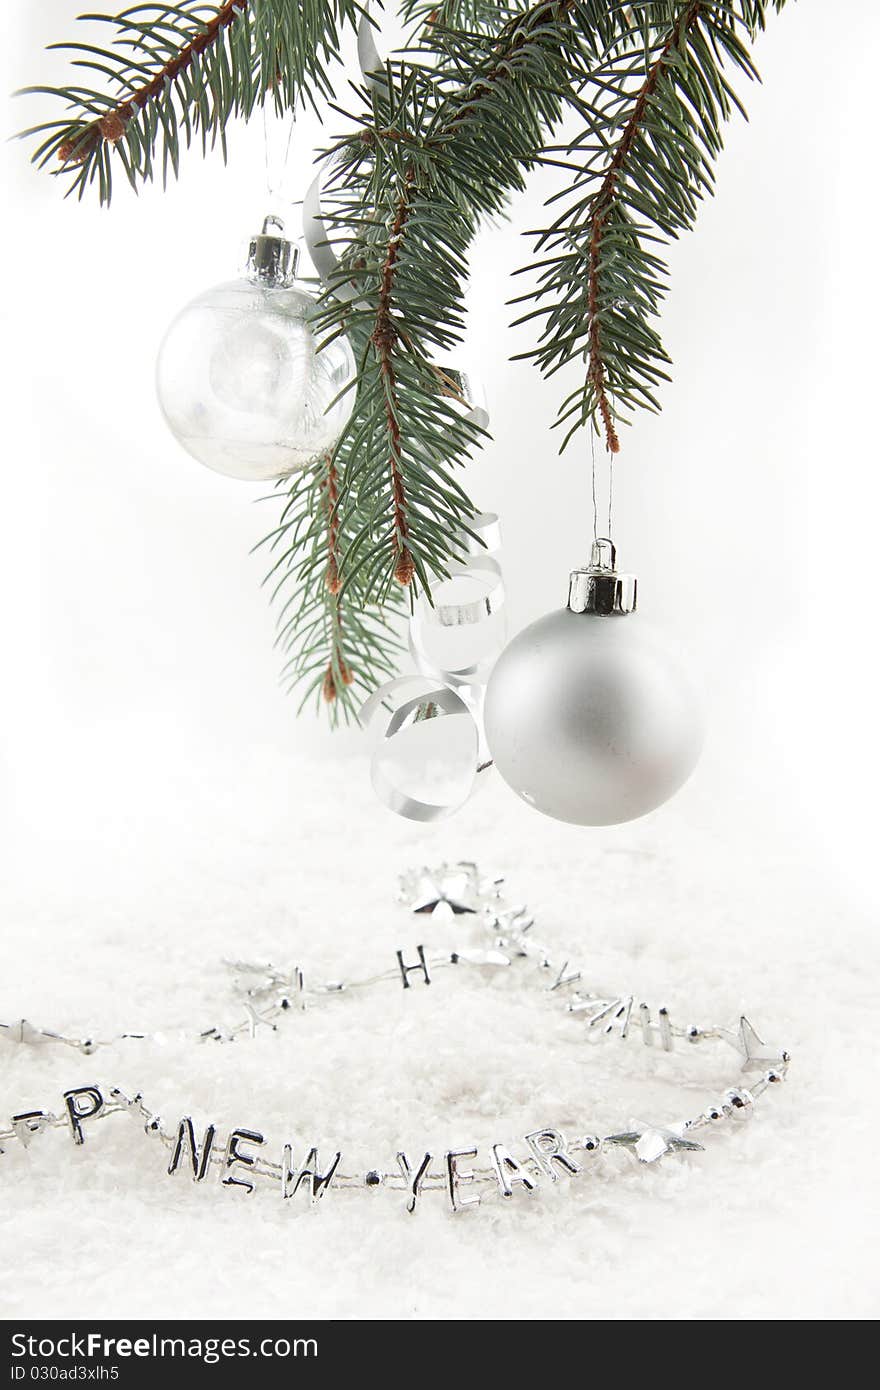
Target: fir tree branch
{"points": [[338, 675], [112, 126], [437, 154], [171, 72], [331, 574], [337, 650], [432, 153], [596, 368], [653, 111]]}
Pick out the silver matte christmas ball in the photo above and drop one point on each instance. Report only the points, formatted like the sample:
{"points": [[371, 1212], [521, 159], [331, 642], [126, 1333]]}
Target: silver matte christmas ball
{"points": [[241, 382], [589, 716]]}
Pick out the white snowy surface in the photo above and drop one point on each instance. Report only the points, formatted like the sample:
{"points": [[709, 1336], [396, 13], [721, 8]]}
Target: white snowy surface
{"points": [[117, 917]]}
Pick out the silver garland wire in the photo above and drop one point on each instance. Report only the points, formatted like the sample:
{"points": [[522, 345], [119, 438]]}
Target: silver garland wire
{"points": [[452, 894]]}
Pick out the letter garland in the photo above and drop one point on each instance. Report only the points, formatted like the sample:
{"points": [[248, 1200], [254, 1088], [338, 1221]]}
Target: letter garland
{"points": [[466, 1176]]}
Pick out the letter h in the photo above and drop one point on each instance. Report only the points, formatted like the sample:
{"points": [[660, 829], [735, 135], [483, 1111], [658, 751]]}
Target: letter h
{"points": [[420, 964]]}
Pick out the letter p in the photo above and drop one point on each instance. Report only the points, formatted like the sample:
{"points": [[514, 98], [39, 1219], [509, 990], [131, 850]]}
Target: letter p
{"points": [[83, 1103]]}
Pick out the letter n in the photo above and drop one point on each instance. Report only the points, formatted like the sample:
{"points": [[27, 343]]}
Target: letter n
{"points": [[186, 1140]]}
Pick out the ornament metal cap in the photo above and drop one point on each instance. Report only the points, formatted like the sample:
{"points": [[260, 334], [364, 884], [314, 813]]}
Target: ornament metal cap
{"points": [[599, 588], [272, 259]]}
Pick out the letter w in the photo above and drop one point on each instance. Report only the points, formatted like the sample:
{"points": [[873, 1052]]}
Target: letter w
{"points": [[292, 1178]]}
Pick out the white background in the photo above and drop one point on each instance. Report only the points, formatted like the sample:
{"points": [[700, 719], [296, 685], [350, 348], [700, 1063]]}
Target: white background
{"points": [[159, 801]]}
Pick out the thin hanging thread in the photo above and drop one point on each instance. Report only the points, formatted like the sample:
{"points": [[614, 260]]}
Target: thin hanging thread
{"points": [[276, 191], [595, 490], [611, 471], [593, 469], [610, 490]]}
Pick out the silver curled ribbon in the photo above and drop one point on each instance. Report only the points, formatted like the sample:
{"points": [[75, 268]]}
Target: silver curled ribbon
{"points": [[421, 769], [479, 576], [409, 705], [371, 64]]}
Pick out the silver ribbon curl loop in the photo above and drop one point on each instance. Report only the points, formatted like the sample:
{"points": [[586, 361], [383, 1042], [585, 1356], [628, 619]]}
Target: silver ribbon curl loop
{"points": [[468, 603], [454, 644], [399, 775], [369, 61], [323, 257]]}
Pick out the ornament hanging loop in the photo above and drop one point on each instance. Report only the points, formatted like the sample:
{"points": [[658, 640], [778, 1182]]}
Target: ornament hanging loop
{"points": [[599, 588], [603, 554], [272, 259]]}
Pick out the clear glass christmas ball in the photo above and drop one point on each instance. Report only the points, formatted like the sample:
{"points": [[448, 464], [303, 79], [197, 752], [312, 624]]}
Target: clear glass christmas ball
{"points": [[243, 386], [591, 719]]}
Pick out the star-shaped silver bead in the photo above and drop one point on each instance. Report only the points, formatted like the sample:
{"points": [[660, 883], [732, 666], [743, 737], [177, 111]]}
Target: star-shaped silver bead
{"points": [[447, 892], [648, 1142], [753, 1050]]}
